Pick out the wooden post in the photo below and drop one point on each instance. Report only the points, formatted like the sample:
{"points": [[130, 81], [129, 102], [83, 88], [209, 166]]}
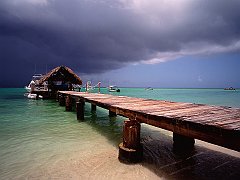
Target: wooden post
{"points": [[73, 104], [93, 107], [112, 114], [130, 150], [131, 134], [57, 96], [80, 110], [99, 84], [68, 103], [61, 100], [182, 144], [37, 97], [32, 85]]}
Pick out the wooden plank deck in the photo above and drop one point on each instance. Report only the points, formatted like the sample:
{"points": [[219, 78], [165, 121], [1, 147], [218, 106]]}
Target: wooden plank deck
{"points": [[214, 124]]}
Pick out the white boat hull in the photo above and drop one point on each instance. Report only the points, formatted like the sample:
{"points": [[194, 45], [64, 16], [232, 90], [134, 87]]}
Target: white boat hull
{"points": [[34, 96], [113, 89], [28, 88]]}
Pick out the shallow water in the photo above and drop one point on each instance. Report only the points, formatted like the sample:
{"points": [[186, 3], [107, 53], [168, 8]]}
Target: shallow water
{"points": [[40, 140]]}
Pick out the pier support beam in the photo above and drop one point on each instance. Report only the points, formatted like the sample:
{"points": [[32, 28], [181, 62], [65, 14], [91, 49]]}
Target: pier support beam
{"points": [[80, 110], [93, 107], [130, 150], [182, 143], [37, 97], [57, 96], [112, 114], [68, 103], [61, 100]]}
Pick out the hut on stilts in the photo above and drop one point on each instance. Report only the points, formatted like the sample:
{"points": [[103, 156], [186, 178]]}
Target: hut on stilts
{"points": [[60, 78]]}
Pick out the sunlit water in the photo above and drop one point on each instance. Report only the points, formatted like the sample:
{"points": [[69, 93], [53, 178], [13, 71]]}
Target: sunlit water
{"points": [[40, 140]]}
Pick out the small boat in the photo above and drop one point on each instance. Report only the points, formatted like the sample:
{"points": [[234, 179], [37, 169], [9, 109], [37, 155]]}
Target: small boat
{"points": [[33, 96], [231, 88], [35, 80], [113, 89], [148, 88], [77, 87]]}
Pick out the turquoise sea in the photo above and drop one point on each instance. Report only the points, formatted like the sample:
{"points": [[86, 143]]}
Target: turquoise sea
{"points": [[40, 140]]}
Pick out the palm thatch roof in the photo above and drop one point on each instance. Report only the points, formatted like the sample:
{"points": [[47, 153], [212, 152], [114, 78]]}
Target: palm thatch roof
{"points": [[62, 73]]}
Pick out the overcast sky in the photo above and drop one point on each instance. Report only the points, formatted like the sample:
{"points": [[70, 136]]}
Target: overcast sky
{"points": [[159, 43]]}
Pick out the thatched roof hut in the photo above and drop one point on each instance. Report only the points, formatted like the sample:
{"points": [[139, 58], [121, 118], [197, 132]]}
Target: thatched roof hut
{"points": [[62, 73], [60, 78]]}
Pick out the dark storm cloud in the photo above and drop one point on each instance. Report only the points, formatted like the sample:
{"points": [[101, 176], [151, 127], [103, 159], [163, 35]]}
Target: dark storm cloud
{"points": [[97, 36]]}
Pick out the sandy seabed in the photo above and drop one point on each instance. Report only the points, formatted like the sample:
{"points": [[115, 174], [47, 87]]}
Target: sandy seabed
{"points": [[159, 162], [104, 165]]}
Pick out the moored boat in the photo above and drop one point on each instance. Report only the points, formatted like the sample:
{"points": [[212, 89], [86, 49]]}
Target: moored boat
{"points": [[231, 88], [34, 96], [35, 80], [148, 88], [113, 89]]}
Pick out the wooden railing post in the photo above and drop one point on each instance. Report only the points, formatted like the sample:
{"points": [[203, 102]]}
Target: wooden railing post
{"points": [[130, 150]]}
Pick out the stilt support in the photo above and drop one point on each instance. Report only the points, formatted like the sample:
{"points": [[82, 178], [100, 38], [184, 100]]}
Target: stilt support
{"points": [[130, 150], [93, 107], [182, 143], [112, 114], [61, 100], [80, 110], [68, 103], [57, 96]]}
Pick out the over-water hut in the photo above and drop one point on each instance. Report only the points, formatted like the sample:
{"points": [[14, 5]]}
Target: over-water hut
{"points": [[60, 78]]}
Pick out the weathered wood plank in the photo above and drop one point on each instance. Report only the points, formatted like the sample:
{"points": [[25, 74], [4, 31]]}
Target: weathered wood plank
{"points": [[211, 117]]}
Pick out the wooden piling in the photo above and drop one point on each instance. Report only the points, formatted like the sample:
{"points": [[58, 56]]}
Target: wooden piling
{"points": [[57, 96], [68, 103], [93, 107], [73, 104], [61, 100], [182, 143], [80, 110], [130, 150], [37, 97], [112, 114]]}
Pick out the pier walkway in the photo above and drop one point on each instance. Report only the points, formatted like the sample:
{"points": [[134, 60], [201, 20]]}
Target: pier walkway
{"points": [[214, 124]]}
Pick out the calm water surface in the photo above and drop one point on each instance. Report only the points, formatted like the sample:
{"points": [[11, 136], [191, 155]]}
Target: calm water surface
{"points": [[40, 140]]}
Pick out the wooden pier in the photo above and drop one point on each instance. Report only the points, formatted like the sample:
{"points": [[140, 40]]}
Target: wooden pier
{"points": [[214, 124]]}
